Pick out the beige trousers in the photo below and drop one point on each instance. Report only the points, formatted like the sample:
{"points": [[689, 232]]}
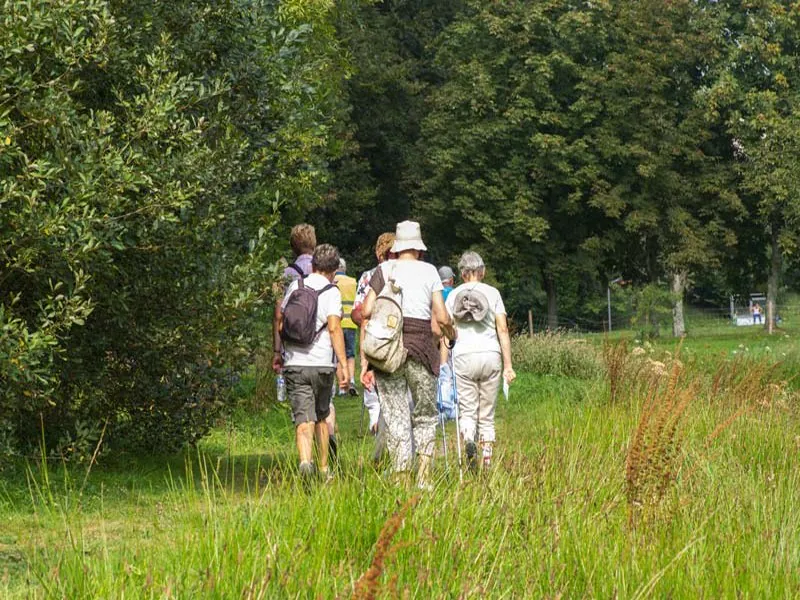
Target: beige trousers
{"points": [[478, 379]]}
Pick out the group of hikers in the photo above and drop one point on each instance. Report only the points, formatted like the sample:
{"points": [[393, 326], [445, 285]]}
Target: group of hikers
{"points": [[417, 332]]}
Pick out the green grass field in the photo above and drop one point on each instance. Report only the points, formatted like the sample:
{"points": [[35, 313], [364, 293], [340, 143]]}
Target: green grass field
{"points": [[553, 519]]}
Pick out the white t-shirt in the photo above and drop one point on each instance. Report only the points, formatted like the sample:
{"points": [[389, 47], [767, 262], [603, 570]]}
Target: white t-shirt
{"points": [[419, 280], [329, 304], [477, 337]]}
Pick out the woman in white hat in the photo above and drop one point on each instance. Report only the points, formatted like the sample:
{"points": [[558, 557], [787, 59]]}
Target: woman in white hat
{"points": [[421, 303], [482, 357]]}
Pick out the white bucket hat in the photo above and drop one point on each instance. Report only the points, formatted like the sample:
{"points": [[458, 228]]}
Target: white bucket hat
{"points": [[408, 237]]}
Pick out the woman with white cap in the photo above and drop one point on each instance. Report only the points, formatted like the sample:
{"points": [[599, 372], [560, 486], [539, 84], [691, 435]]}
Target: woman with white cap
{"points": [[421, 302], [482, 358]]}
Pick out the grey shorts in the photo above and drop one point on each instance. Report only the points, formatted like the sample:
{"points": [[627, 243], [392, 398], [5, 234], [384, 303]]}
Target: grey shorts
{"points": [[309, 392]]}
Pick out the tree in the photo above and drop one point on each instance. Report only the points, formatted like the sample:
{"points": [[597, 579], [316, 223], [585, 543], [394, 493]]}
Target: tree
{"points": [[758, 97], [146, 151], [506, 167], [389, 45], [664, 168]]}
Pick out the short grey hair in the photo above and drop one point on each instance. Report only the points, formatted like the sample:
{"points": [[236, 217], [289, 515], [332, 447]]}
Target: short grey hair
{"points": [[342, 265], [471, 262], [325, 259]]}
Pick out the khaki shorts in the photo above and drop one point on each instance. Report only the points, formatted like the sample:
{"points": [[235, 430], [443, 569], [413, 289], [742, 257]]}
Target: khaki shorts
{"points": [[309, 392]]}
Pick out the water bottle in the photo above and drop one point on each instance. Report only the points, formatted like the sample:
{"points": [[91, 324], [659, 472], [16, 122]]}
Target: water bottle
{"points": [[281, 384]]}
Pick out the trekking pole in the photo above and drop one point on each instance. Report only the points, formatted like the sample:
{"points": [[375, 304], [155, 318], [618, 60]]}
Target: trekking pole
{"points": [[458, 425], [361, 426], [441, 422]]}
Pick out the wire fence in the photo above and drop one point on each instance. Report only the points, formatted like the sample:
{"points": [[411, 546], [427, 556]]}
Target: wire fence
{"points": [[695, 318]]}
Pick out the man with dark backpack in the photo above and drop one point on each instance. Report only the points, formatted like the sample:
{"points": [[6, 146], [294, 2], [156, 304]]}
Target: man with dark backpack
{"points": [[310, 327], [303, 240]]}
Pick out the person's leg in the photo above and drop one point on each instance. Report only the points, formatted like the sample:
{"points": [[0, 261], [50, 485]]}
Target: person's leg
{"points": [[322, 382], [380, 440], [468, 390], [351, 368], [322, 437], [491, 380], [331, 420], [393, 394], [333, 444], [304, 438], [424, 418], [350, 352], [300, 392], [339, 369]]}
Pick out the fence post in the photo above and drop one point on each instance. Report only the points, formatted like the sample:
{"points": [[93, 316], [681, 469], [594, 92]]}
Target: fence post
{"points": [[530, 323]]}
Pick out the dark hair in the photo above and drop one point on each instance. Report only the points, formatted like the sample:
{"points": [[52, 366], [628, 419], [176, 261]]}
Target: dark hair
{"points": [[325, 259]]}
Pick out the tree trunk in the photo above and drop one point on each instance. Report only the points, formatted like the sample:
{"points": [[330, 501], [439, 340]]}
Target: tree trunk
{"points": [[775, 263], [552, 302], [678, 288]]}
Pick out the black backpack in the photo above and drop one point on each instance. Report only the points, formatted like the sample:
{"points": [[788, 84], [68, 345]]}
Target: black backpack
{"points": [[300, 313]]}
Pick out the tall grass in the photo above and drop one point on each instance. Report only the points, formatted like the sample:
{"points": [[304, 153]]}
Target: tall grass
{"points": [[556, 353], [553, 519], [654, 456]]}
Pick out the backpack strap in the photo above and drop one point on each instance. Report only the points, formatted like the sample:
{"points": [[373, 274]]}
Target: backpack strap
{"points": [[391, 283], [299, 271], [330, 286]]}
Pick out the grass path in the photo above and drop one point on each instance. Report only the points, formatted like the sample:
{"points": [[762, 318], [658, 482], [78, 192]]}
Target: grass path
{"points": [[552, 520]]}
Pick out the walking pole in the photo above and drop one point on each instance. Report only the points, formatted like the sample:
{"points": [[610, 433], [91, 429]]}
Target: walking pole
{"points": [[458, 426], [441, 423], [361, 426]]}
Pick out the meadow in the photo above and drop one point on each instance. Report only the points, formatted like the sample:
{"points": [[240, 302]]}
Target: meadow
{"points": [[684, 484]]}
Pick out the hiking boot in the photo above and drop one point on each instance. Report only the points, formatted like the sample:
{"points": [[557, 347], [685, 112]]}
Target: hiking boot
{"points": [[425, 487], [487, 455], [326, 476], [308, 473], [471, 449]]}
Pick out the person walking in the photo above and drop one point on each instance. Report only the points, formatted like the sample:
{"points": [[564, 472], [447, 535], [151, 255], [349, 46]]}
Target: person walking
{"points": [[309, 368], [448, 280], [377, 427], [303, 240], [482, 357], [347, 287], [420, 292], [383, 246]]}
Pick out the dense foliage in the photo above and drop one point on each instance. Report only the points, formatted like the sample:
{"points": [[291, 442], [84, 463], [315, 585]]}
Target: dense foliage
{"points": [[147, 149], [574, 143]]}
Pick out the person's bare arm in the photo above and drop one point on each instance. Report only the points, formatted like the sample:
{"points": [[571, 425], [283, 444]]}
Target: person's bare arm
{"points": [[440, 343], [337, 340], [367, 377], [501, 322], [442, 317], [277, 345], [355, 314], [368, 305]]}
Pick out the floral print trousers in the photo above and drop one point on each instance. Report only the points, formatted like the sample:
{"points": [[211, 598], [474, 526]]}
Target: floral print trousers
{"points": [[407, 429]]}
